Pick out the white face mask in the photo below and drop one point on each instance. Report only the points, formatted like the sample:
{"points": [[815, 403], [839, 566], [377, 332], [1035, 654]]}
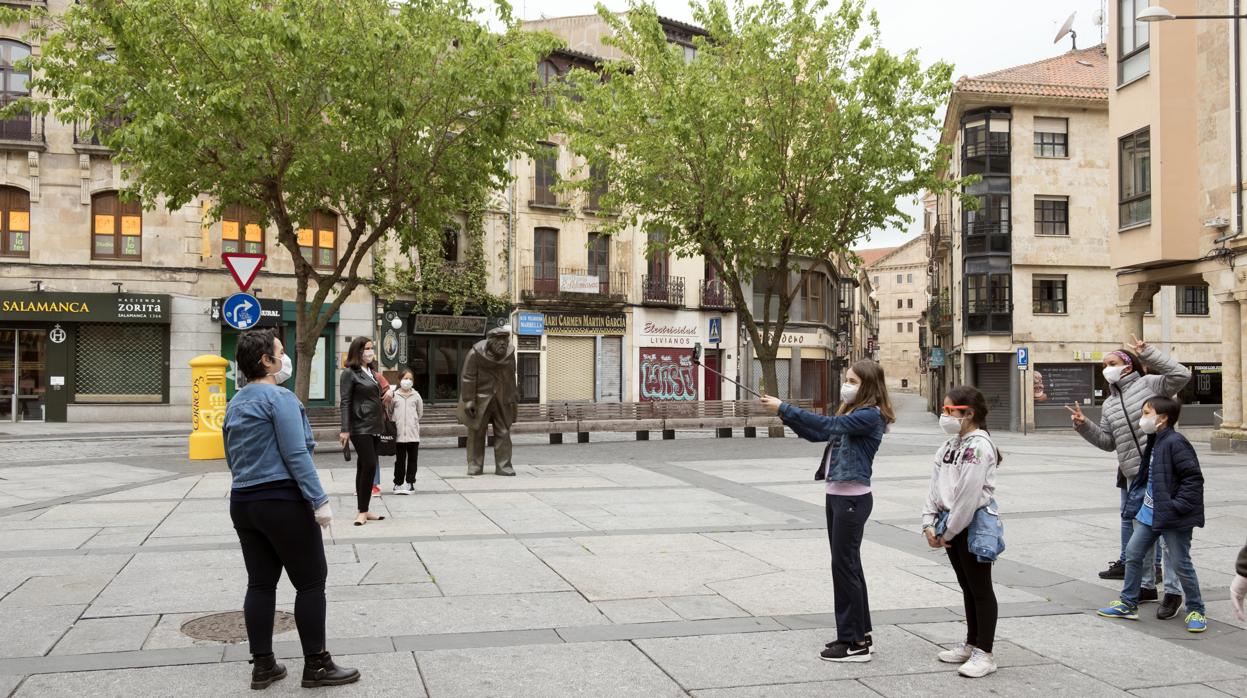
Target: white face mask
{"points": [[951, 425], [287, 369], [1148, 425], [369, 355], [848, 392], [405, 384], [1112, 374]]}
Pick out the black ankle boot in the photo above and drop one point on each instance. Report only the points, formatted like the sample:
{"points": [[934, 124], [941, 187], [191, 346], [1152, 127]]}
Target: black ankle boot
{"points": [[319, 670], [265, 670]]}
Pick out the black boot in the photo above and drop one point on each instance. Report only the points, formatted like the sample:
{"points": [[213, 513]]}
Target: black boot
{"points": [[1116, 570], [319, 670], [265, 670]]}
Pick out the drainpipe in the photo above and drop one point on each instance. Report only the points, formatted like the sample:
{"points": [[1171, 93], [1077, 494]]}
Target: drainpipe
{"points": [[1238, 123]]}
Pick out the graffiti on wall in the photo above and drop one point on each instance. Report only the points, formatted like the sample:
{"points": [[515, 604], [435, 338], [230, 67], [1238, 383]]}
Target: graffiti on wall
{"points": [[668, 374]]}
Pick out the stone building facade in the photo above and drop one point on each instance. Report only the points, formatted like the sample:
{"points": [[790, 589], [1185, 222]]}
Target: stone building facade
{"points": [[1031, 269], [1177, 185], [899, 281]]}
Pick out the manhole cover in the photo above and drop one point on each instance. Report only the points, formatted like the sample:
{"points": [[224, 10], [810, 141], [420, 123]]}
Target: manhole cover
{"points": [[230, 627]]}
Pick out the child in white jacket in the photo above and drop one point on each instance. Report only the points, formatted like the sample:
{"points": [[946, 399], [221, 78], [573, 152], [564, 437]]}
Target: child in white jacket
{"points": [[406, 410]]}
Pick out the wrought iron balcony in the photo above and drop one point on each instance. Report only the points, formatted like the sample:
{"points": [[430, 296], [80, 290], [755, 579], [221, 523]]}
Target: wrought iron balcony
{"points": [[662, 290], [542, 194], [715, 294], [23, 132], [573, 284]]}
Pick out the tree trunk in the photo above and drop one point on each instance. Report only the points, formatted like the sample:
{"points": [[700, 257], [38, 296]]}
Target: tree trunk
{"points": [[305, 347], [770, 381]]}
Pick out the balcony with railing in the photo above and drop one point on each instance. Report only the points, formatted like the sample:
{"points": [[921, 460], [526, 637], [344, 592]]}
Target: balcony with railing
{"points": [[543, 193], [940, 316], [23, 132], [662, 290], [573, 285], [87, 136], [989, 317], [715, 294]]}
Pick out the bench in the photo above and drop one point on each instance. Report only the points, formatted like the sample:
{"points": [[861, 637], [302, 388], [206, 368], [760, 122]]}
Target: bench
{"points": [[584, 418]]}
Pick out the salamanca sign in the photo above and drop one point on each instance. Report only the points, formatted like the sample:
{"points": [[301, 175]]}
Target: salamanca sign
{"points": [[48, 306]]}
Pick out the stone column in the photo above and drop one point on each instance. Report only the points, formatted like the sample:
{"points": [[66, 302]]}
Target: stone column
{"points": [[1233, 362], [1133, 301]]}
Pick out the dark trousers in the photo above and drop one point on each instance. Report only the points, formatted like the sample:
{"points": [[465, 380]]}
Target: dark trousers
{"points": [[502, 439], [846, 524], [365, 467], [277, 534], [975, 579], [406, 456]]}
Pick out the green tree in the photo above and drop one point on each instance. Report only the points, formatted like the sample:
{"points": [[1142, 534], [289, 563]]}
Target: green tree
{"points": [[790, 134], [395, 115]]}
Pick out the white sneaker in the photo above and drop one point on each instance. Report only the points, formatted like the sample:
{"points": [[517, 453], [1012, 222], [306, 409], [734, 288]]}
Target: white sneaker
{"points": [[981, 664], [411, 488], [957, 655], [402, 489]]}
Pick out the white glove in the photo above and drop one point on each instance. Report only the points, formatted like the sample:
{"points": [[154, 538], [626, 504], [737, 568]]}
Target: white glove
{"points": [[1238, 589], [323, 516]]}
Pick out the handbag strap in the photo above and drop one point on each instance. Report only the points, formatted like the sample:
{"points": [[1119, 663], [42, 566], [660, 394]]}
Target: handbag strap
{"points": [[1130, 423]]}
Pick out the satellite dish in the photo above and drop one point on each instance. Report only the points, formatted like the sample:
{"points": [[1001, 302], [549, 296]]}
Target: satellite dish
{"points": [[1067, 28]]}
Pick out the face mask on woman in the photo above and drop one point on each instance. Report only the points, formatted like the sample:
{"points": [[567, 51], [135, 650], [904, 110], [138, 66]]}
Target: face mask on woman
{"points": [[950, 424], [1112, 374], [369, 356], [406, 384], [848, 392], [287, 369]]}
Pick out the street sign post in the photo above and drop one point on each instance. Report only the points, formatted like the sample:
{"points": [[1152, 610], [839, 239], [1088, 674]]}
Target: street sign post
{"points": [[243, 267], [716, 331], [1024, 359], [241, 311]]}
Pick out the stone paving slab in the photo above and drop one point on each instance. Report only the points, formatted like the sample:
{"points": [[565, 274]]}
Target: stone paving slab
{"points": [[617, 670], [1094, 646], [58, 590], [1190, 690], [32, 631], [818, 689], [487, 567], [1043, 681], [89, 635], [463, 614], [383, 674]]}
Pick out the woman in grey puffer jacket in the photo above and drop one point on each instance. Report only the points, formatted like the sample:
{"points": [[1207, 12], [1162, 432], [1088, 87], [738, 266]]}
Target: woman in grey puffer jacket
{"points": [[1133, 379]]}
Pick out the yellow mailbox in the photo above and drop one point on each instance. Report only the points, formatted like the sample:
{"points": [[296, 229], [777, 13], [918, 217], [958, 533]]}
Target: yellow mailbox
{"points": [[207, 407]]}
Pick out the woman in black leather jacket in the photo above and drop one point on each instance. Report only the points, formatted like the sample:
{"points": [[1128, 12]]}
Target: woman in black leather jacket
{"points": [[360, 394]]}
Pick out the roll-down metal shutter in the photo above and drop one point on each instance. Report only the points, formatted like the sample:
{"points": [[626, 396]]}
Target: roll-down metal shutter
{"points": [[570, 368], [610, 370], [992, 379]]}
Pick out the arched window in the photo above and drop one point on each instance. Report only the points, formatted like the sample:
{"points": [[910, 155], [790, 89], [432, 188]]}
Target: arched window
{"points": [[14, 222], [319, 241], [14, 86], [116, 227], [242, 230]]}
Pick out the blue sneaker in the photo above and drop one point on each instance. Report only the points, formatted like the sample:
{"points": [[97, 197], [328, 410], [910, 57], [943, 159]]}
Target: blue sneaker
{"points": [[1120, 609], [1196, 622]]}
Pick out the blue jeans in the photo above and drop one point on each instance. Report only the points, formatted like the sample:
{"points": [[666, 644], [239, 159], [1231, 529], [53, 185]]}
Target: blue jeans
{"points": [[1172, 586], [1179, 542]]}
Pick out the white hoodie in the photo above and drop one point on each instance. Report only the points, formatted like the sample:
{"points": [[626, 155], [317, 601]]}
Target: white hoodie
{"points": [[963, 480]]}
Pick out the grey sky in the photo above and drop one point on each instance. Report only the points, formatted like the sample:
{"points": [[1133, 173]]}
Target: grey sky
{"points": [[976, 36]]}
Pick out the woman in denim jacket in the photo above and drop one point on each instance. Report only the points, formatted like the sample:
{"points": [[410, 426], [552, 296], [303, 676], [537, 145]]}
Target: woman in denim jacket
{"points": [[278, 507], [962, 482], [853, 436]]}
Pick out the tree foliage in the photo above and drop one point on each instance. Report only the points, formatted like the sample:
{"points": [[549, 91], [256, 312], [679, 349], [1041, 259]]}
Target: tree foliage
{"points": [[791, 134], [394, 115]]}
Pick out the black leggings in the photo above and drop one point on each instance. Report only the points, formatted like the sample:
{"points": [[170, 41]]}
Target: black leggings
{"points": [[406, 457], [365, 467], [276, 534], [975, 579]]}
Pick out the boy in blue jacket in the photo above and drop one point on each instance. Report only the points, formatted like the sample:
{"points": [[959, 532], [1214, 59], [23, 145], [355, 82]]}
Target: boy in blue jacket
{"points": [[1166, 499]]}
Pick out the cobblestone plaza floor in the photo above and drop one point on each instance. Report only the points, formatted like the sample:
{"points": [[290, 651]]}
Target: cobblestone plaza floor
{"points": [[619, 568]]}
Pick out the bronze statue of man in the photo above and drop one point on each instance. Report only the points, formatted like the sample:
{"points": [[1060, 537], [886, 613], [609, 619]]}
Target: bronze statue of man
{"points": [[488, 395]]}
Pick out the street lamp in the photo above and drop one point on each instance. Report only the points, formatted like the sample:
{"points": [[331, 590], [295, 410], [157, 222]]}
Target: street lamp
{"points": [[1157, 13]]}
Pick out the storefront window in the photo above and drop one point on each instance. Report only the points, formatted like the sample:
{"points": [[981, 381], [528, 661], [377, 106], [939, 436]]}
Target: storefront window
{"points": [[120, 363], [529, 369], [1205, 385]]}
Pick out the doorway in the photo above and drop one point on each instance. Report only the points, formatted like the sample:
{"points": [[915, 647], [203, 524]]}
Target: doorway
{"points": [[714, 385], [23, 375]]}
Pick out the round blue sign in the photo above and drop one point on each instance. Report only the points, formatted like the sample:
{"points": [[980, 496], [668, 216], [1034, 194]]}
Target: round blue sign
{"points": [[241, 311]]}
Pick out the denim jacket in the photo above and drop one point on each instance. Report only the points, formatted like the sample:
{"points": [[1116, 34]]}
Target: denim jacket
{"points": [[268, 438], [860, 432], [986, 532]]}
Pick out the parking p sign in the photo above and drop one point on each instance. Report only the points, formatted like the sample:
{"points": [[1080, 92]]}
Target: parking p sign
{"points": [[1024, 358]]}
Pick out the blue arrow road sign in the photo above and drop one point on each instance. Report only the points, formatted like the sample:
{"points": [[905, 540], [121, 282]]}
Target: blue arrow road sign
{"points": [[241, 311], [1024, 357]]}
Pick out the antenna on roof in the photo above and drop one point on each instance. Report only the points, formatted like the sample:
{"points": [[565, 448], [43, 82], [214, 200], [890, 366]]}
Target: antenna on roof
{"points": [[1067, 28]]}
